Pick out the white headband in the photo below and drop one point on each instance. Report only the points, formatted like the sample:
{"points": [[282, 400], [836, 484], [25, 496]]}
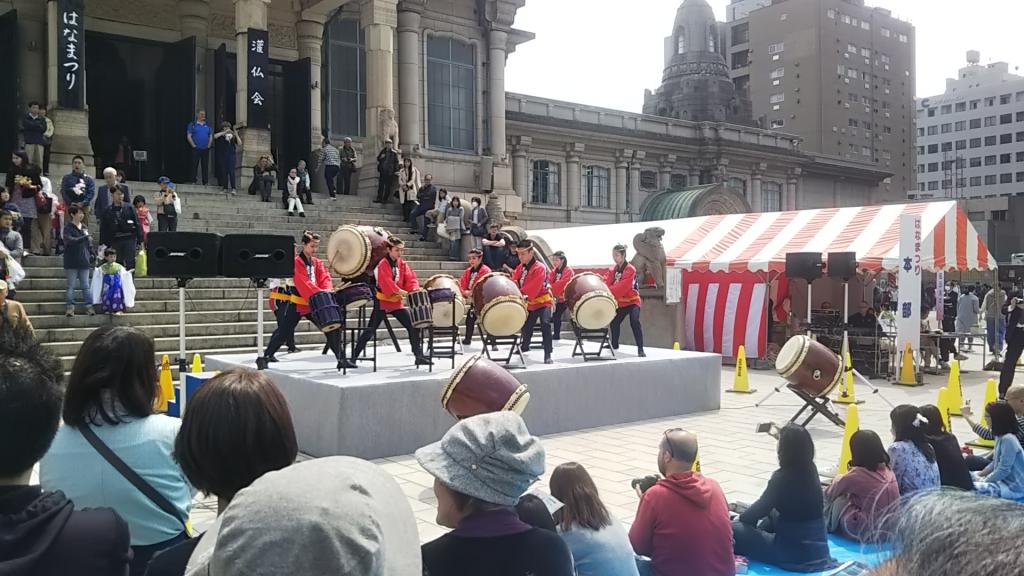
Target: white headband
{"points": [[919, 420]]}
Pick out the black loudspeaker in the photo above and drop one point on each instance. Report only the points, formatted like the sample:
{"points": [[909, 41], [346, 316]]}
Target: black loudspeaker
{"points": [[806, 265], [183, 254], [257, 256], [842, 265]]}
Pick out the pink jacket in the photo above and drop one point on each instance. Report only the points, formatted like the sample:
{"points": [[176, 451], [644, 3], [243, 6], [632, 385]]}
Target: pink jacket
{"points": [[870, 493]]}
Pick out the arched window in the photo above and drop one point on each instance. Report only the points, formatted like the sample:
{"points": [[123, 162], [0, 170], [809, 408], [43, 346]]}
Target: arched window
{"points": [[345, 77], [712, 38], [681, 41], [771, 197], [451, 93]]}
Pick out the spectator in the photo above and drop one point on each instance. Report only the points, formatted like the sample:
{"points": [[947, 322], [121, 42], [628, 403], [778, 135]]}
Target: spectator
{"points": [[348, 166], [598, 542], [33, 129], [200, 138], [109, 401], [481, 467], [47, 140], [496, 247], [455, 224], [947, 346], [682, 521], [264, 177], [1004, 476], [1014, 343], [477, 222], [436, 216], [6, 204], [305, 191], [387, 172], [426, 196], [331, 160], [911, 456], [1015, 398], [226, 144], [930, 343], [952, 468], [103, 193], [337, 515], [995, 322], [77, 261], [10, 238], [294, 203], [120, 229], [145, 219], [12, 312], [408, 185], [168, 206], [43, 533], [236, 429], [28, 185], [78, 187], [19, 162], [856, 503], [532, 510], [113, 285], [785, 527], [967, 309], [42, 227]]}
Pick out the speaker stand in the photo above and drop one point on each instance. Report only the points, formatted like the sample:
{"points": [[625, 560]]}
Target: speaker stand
{"points": [[182, 361], [261, 360], [809, 282]]}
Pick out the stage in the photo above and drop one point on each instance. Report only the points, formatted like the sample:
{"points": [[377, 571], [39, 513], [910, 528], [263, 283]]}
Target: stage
{"points": [[398, 408]]}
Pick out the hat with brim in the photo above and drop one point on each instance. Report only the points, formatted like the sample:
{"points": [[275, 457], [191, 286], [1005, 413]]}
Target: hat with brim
{"points": [[491, 457]]}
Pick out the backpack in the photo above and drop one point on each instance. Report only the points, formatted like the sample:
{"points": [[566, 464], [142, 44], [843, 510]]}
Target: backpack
{"points": [[44, 203]]}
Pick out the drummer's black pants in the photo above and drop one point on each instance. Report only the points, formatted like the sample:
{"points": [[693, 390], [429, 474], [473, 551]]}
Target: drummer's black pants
{"points": [[403, 317], [544, 315], [556, 320], [470, 326], [633, 311], [287, 320]]}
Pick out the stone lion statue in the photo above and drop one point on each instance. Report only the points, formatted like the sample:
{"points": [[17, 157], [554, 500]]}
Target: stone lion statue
{"points": [[388, 127], [650, 255]]}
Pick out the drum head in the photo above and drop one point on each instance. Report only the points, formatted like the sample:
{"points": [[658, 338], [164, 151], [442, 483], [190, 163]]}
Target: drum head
{"points": [[791, 355], [504, 316], [594, 311], [444, 311], [348, 251], [358, 303], [481, 386]]}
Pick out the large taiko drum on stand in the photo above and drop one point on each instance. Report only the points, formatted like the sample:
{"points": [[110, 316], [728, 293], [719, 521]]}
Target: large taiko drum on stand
{"points": [[481, 386], [446, 297], [809, 365], [590, 301], [354, 250], [499, 305]]}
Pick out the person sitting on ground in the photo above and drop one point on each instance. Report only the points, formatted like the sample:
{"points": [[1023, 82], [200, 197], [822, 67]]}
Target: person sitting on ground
{"points": [[10, 239], [911, 457], [1015, 398], [1004, 477], [682, 521], [264, 176], [236, 429], [598, 542], [7, 205], [532, 510], [336, 516], [481, 467], [109, 401], [857, 502], [12, 312], [785, 526], [42, 532], [953, 470], [294, 202]]}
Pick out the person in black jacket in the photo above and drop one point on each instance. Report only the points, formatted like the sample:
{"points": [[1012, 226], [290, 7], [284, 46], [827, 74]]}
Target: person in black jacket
{"points": [[120, 228], [953, 469], [77, 260], [41, 533], [1014, 343], [427, 198], [387, 172]]}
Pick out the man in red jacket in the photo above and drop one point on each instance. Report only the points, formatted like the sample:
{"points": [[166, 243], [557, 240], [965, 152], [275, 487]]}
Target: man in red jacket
{"points": [[559, 278], [625, 286], [682, 522], [470, 276], [395, 280], [532, 278]]}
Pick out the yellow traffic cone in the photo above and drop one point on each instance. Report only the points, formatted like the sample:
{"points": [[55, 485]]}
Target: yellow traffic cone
{"points": [[166, 385], [696, 464], [852, 425], [847, 395], [956, 395], [908, 376], [741, 382], [675, 346], [991, 395], [197, 364], [943, 405]]}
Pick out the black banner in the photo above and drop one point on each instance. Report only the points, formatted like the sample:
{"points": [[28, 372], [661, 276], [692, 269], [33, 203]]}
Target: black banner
{"points": [[71, 53], [258, 61]]}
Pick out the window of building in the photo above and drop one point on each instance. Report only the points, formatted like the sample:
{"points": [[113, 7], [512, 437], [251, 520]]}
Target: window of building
{"points": [[921, 186], [975, 180], [961, 182], [677, 181], [990, 140], [920, 150], [852, 72], [1004, 98], [771, 197], [990, 121], [975, 142], [933, 130], [1019, 117], [960, 125], [1005, 158], [865, 151], [933, 185], [777, 123], [776, 98], [648, 180], [990, 160], [975, 162], [961, 106], [1019, 137], [999, 215], [778, 72], [595, 187], [990, 101], [920, 132], [931, 112], [886, 33], [1006, 138], [852, 122], [545, 188], [961, 144], [1019, 157], [844, 18], [451, 93], [946, 147], [865, 52], [933, 148], [933, 166], [947, 128], [975, 123], [1005, 118], [920, 168], [947, 184], [681, 41], [1020, 176], [345, 77], [1019, 96], [974, 104], [946, 108], [990, 179], [1006, 178], [739, 185], [851, 49], [776, 48], [865, 25], [903, 38]]}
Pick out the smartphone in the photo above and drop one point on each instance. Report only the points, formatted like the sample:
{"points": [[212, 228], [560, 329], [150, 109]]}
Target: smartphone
{"points": [[853, 568], [768, 428]]}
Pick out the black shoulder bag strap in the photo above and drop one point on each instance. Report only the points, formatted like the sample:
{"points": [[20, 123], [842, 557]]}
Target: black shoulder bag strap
{"points": [[132, 476]]}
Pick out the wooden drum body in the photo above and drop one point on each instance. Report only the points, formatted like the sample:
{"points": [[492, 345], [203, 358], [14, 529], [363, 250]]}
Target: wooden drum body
{"points": [[325, 312], [590, 301], [480, 386], [354, 296], [420, 309], [446, 298], [354, 250], [499, 305], [809, 365]]}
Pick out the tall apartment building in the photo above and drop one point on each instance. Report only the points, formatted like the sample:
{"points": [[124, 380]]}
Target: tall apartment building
{"points": [[835, 72]]}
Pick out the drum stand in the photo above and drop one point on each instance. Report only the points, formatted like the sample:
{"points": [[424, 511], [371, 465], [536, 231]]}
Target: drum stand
{"points": [[439, 347], [351, 333], [514, 349], [583, 335], [817, 404]]}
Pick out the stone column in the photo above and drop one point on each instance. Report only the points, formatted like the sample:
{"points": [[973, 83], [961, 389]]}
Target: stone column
{"points": [[520, 168], [622, 158], [665, 172], [634, 183], [379, 18], [194, 20], [70, 125], [255, 141], [310, 36], [756, 175], [721, 175], [693, 177], [496, 42], [410, 71], [572, 174], [792, 188]]}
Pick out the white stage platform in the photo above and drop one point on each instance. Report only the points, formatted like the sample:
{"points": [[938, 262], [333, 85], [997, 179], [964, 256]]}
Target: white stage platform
{"points": [[398, 408]]}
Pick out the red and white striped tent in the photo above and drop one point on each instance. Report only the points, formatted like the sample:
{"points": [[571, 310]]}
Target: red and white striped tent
{"points": [[720, 266]]}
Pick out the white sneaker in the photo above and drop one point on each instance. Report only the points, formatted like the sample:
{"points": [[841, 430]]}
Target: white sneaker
{"points": [[944, 365]]}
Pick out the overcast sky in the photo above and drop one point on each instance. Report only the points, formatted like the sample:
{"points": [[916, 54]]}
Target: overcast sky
{"points": [[606, 52]]}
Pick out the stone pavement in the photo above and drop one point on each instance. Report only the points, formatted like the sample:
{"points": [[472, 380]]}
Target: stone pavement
{"points": [[731, 452]]}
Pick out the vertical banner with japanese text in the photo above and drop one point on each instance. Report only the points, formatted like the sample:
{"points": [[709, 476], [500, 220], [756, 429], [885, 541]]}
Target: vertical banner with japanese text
{"points": [[908, 313], [940, 294], [70, 53], [258, 87]]}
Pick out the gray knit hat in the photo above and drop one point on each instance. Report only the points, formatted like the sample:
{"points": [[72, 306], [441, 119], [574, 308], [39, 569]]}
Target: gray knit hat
{"points": [[491, 457]]}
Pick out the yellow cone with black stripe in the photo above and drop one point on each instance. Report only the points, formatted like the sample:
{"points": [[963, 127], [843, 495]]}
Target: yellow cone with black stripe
{"points": [[852, 425], [956, 395], [741, 381]]}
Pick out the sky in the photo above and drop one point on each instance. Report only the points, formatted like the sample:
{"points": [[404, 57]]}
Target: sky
{"points": [[606, 52]]}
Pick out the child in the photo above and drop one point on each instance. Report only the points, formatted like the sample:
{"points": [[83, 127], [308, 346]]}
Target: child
{"points": [[294, 203], [6, 204], [113, 284], [145, 219]]}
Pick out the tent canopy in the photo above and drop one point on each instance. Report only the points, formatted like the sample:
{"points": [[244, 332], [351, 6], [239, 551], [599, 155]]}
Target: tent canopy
{"points": [[759, 242]]}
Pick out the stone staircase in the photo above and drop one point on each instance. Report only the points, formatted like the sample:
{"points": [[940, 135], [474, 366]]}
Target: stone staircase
{"points": [[220, 313]]}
